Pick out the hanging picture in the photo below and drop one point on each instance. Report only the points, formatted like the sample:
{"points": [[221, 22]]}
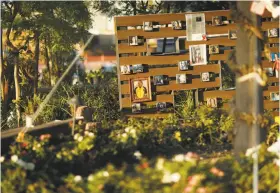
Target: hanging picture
{"points": [[211, 102], [135, 40], [214, 49], [140, 89], [181, 78], [274, 57], [136, 108], [198, 55], [161, 106], [137, 68], [274, 96], [148, 26], [273, 33], [232, 34], [205, 76], [159, 46], [195, 26], [184, 65], [126, 69], [269, 71], [160, 80], [177, 25], [217, 20]]}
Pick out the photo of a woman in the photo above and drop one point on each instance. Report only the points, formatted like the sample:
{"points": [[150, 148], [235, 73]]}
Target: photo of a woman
{"points": [[198, 54]]}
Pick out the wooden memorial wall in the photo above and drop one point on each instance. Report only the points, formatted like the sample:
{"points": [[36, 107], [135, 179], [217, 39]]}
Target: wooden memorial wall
{"points": [[161, 54]]}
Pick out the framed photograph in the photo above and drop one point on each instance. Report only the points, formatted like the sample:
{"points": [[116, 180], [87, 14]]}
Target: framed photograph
{"points": [[181, 78], [274, 96], [198, 55], [126, 69], [135, 40], [214, 49], [269, 72], [140, 89], [160, 80], [155, 46], [195, 27], [274, 57], [183, 65], [136, 108], [161, 106], [212, 102], [177, 25], [137, 68], [232, 34], [273, 33], [205, 76], [217, 20], [148, 26]]}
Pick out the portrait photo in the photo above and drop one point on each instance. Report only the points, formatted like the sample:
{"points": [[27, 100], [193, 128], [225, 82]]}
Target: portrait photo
{"points": [[136, 108], [232, 34], [160, 80], [269, 72], [177, 25], [184, 65], [273, 33], [133, 40], [274, 96], [217, 20], [181, 78], [126, 69], [137, 68], [211, 102], [205, 76], [214, 49], [198, 55], [140, 89], [274, 56], [161, 106], [148, 26]]}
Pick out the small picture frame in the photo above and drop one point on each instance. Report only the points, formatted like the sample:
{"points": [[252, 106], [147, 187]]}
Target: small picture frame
{"points": [[205, 76], [160, 80], [184, 65], [232, 34], [161, 106], [135, 40], [177, 25], [214, 49], [212, 102], [273, 33], [269, 71], [217, 20], [181, 78], [148, 26], [137, 68], [274, 96], [136, 108], [274, 56], [126, 69], [140, 89]]}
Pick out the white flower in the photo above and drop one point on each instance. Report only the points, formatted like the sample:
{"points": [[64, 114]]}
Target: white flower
{"points": [[86, 132], [38, 145], [277, 162], [14, 158], [166, 178], [275, 147], [78, 178], [124, 135], [252, 151], [90, 177], [127, 129], [137, 154], [76, 136], [80, 138], [34, 148], [159, 164], [2, 158], [30, 166], [175, 177], [90, 134], [105, 174], [21, 163], [179, 158]]}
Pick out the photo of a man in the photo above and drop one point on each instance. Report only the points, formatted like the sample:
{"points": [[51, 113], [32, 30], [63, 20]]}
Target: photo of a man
{"points": [[137, 68], [273, 33], [125, 69], [141, 90], [205, 77], [198, 54], [148, 26], [183, 65], [274, 96], [211, 102], [217, 20], [177, 25], [161, 106], [181, 78], [133, 40], [159, 80], [214, 49], [232, 34], [136, 108]]}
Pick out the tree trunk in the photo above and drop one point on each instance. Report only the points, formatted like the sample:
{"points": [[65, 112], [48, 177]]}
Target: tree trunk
{"points": [[17, 88], [36, 64], [48, 63]]}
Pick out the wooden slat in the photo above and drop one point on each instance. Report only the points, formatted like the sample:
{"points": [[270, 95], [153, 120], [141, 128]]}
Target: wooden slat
{"points": [[125, 48], [273, 88], [172, 71], [220, 41], [269, 25], [275, 113], [219, 94], [272, 79], [271, 104], [266, 93], [266, 64]]}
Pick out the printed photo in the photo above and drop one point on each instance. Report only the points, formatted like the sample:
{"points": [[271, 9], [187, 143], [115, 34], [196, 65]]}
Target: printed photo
{"points": [[148, 26], [211, 102], [273, 33], [156, 46], [177, 25], [133, 40], [214, 49], [159, 80], [136, 108], [181, 78], [232, 34], [274, 96], [217, 20], [274, 57], [269, 71], [140, 89], [195, 27], [205, 76], [184, 65], [198, 55], [125, 69], [137, 68], [161, 106]]}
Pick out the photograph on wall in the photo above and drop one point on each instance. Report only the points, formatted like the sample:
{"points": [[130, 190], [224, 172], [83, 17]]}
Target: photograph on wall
{"points": [[177, 25], [184, 65], [126, 69], [148, 26], [161, 106], [269, 72], [232, 34], [217, 20], [274, 96], [160, 80], [214, 49], [211, 102], [205, 76], [135, 40], [195, 26], [158, 46], [198, 55], [273, 33], [140, 89], [181, 78], [136, 108], [137, 68], [274, 56]]}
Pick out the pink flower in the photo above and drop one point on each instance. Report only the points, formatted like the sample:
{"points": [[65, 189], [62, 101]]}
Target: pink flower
{"points": [[217, 172], [45, 136], [201, 190], [188, 189]]}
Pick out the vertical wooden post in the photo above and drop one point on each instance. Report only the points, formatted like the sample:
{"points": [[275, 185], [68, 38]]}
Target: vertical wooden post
{"points": [[249, 96]]}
